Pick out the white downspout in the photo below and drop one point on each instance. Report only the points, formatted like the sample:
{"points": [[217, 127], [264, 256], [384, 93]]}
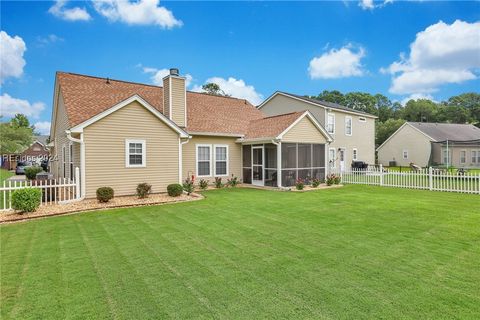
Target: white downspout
{"points": [[82, 161], [180, 157]]}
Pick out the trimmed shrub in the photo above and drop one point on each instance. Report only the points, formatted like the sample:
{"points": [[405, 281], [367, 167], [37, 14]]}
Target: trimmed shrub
{"points": [[332, 179], [203, 184], [27, 199], [233, 181], [188, 185], [300, 184], [104, 194], [143, 190], [218, 182], [31, 172], [174, 190]]}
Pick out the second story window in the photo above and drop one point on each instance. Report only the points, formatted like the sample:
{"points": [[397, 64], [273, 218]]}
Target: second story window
{"points": [[348, 126], [331, 123]]}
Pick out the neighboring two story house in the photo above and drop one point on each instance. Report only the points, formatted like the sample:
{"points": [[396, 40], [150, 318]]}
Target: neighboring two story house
{"points": [[353, 132]]}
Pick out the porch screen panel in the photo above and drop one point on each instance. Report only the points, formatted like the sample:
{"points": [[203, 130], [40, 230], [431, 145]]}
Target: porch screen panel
{"points": [[247, 163], [304, 161], [270, 165]]}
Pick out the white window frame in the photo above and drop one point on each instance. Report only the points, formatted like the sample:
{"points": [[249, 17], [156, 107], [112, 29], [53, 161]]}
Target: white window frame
{"points": [[478, 156], [405, 152], [70, 160], [473, 156], [362, 119], [449, 156], [464, 158], [348, 118], [330, 114], [354, 154], [214, 150], [127, 153], [209, 159], [332, 164]]}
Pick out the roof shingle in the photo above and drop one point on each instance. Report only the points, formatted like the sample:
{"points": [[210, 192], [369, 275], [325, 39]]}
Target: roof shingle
{"points": [[448, 131]]}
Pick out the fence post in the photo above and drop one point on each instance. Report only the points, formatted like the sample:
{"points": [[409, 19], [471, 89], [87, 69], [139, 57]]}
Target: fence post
{"points": [[430, 178], [381, 174], [77, 183]]}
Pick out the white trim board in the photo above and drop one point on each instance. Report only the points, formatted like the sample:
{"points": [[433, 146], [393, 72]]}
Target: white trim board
{"points": [[79, 128]]}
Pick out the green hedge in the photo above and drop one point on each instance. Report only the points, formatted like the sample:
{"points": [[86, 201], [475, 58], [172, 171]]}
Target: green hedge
{"points": [[27, 199], [174, 190]]}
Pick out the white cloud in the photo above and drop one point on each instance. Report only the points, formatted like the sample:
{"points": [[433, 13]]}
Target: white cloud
{"points": [[235, 88], [159, 74], [42, 127], [10, 106], [417, 96], [69, 14], [370, 4], [337, 63], [51, 38], [141, 12], [11, 56], [441, 54]]}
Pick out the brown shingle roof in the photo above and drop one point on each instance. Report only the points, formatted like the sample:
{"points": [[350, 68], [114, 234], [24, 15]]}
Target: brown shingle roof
{"points": [[271, 127], [86, 96]]}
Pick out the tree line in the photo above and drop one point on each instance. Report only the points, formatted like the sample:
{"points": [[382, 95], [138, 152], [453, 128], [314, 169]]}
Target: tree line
{"points": [[463, 108], [16, 135]]}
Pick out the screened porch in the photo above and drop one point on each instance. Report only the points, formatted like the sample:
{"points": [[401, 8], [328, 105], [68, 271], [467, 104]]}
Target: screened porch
{"points": [[263, 162]]}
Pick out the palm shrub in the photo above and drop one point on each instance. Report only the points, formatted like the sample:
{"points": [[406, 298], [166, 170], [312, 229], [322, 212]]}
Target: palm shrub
{"points": [[174, 190], [188, 185], [27, 199], [218, 182], [203, 184], [105, 194], [31, 172], [143, 190]]}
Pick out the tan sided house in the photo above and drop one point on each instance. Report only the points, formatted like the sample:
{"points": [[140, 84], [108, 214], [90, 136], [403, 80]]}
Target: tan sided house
{"points": [[121, 134], [431, 144], [353, 132]]}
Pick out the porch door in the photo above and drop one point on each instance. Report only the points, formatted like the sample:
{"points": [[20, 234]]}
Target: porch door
{"points": [[257, 165], [341, 156]]}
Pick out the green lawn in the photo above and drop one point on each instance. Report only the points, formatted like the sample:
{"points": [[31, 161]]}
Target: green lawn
{"points": [[350, 253]]}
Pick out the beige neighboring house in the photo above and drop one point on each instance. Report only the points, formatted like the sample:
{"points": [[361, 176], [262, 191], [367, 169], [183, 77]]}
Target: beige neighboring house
{"points": [[353, 132], [432, 144], [120, 134]]}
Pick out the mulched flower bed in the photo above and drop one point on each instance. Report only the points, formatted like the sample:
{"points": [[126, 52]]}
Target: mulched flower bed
{"points": [[93, 204], [320, 187]]}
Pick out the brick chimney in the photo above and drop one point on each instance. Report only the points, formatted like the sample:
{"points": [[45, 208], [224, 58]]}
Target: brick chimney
{"points": [[175, 98]]}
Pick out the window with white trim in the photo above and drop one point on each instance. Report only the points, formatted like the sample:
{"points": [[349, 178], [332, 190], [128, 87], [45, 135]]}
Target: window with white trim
{"points": [[203, 160], [331, 123], [331, 157], [463, 156], [221, 160], [355, 154], [70, 159], [348, 125], [135, 153], [474, 156], [405, 154], [447, 156]]}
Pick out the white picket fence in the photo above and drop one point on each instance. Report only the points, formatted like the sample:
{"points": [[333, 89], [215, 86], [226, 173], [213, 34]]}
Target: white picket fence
{"points": [[54, 191], [426, 179]]}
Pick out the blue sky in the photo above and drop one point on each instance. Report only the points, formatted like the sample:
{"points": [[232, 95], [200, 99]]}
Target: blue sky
{"points": [[400, 49]]}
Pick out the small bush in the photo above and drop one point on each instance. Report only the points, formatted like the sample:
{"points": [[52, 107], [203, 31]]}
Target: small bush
{"points": [[31, 172], [26, 200], [203, 184], [188, 185], [315, 182], [218, 182], [174, 190], [332, 179], [143, 190], [104, 194], [233, 181], [300, 184]]}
